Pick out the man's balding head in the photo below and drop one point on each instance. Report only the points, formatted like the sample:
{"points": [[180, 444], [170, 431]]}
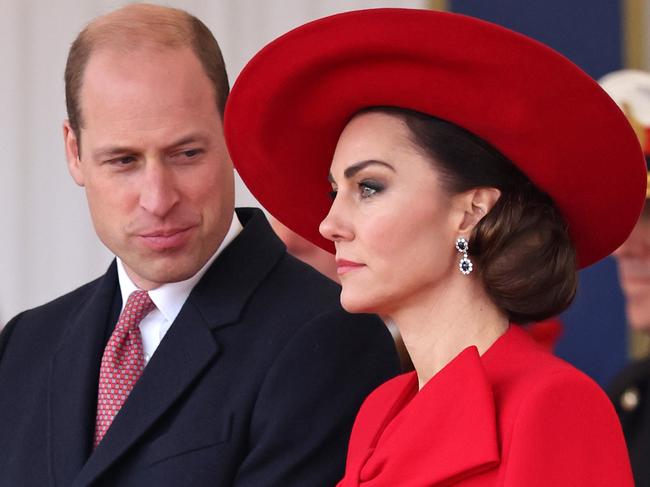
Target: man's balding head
{"points": [[142, 26]]}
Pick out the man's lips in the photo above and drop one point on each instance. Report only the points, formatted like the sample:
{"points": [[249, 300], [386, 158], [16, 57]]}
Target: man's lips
{"points": [[344, 266], [166, 239]]}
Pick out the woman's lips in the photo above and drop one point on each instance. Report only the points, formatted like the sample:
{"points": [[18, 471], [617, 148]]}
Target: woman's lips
{"points": [[166, 239], [344, 266]]}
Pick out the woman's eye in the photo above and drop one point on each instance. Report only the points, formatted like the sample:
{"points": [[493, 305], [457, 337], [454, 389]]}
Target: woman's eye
{"points": [[368, 189], [333, 194]]}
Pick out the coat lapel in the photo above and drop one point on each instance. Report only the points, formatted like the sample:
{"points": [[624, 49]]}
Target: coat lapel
{"points": [[185, 351], [190, 345], [226, 288], [442, 434], [73, 381]]}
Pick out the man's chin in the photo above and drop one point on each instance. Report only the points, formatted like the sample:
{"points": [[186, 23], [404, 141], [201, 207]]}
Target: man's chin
{"points": [[153, 276]]}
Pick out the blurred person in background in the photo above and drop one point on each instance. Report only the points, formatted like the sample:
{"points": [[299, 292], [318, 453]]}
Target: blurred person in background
{"points": [[306, 251], [630, 389]]}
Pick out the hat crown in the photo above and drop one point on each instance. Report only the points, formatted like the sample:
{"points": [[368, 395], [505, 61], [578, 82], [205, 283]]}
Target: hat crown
{"points": [[535, 106]]}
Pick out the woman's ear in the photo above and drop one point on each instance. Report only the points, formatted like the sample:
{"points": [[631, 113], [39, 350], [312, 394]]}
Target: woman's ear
{"points": [[476, 202]]}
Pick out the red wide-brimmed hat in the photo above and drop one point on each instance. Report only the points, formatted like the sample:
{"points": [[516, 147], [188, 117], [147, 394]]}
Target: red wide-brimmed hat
{"points": [[293, 99]]}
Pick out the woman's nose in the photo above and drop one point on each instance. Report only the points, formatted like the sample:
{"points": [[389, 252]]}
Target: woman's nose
{"points": [[336, 226]]}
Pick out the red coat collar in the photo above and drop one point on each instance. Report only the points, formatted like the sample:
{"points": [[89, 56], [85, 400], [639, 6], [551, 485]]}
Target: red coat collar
{"points": [[446, 432]]}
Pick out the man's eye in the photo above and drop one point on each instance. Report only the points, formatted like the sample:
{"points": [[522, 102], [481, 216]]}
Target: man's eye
{"points": [[192, 153], [122, 161], [188, 154]]}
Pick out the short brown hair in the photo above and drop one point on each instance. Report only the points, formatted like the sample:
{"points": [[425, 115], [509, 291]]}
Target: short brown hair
{"points": [[136, 25], [521, 249]]}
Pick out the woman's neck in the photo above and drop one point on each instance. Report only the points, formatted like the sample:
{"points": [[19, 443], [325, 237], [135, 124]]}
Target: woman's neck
{"points": [[437, 327]]}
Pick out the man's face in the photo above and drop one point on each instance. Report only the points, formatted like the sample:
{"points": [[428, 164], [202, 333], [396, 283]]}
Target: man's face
{"points": [[633, 259], [153, 162]]}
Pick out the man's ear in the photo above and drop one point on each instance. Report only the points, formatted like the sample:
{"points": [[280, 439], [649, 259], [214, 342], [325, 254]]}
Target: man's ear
{"points": [[477, 203], [72, 153]]}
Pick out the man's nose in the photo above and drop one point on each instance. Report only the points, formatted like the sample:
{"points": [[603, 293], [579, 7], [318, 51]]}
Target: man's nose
{"points": [[159, 192]]}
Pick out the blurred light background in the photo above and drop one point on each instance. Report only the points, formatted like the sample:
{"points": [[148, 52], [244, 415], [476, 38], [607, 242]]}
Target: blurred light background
{"points": [[47, 243]]}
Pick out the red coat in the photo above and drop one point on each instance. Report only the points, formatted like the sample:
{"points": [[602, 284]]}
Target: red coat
{"points": [[516, 417]]}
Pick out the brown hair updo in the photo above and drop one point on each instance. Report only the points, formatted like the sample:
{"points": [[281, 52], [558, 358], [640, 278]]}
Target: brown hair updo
{"points": [[521, 249]]}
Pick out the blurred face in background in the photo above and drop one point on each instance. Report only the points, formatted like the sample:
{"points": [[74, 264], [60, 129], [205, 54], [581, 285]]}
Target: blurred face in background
{"points": [[633, 259], [306, 251]]}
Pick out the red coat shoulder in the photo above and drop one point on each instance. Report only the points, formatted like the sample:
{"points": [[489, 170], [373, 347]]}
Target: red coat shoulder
{"points": [[515, 416]]}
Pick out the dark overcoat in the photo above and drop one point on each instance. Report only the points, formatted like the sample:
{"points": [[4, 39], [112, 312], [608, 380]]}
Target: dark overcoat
{"points": [[256, 383]]}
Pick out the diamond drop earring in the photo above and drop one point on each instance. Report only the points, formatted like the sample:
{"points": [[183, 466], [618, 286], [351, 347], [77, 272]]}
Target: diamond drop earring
{"points": [[465, 265]]}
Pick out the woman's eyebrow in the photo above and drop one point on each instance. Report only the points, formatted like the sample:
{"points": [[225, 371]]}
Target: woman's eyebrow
{"points": [[355, 168]]}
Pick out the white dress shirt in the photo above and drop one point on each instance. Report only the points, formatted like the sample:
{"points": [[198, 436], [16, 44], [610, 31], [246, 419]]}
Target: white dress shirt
{"points": [[168, 298]]}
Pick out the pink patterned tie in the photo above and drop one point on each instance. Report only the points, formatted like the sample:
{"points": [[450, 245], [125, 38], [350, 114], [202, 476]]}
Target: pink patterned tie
{"points": [[122, 363]]}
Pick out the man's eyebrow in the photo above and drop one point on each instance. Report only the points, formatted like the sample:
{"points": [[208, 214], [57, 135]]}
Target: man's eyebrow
{"points": [[115, 150], [188, 139], [112, 150]]}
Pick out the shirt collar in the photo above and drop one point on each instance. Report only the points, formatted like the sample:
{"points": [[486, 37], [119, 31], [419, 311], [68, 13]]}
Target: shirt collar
{"points": [[170, 297]]}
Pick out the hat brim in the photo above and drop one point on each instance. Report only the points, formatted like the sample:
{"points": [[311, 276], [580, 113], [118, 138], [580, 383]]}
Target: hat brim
{"points": [[291, 102]]}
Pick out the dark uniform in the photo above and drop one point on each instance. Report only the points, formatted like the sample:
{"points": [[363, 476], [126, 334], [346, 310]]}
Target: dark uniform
{"points": [[630, 392]]}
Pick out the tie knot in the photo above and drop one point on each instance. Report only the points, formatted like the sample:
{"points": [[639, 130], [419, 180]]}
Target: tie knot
{"points": [[138, 305]]}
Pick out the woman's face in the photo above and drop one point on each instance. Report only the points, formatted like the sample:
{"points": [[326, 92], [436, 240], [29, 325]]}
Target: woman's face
{"points": [[393, 224]]}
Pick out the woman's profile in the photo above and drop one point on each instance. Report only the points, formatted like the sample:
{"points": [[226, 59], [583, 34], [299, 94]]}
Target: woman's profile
{"points": [[471, 172]]}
